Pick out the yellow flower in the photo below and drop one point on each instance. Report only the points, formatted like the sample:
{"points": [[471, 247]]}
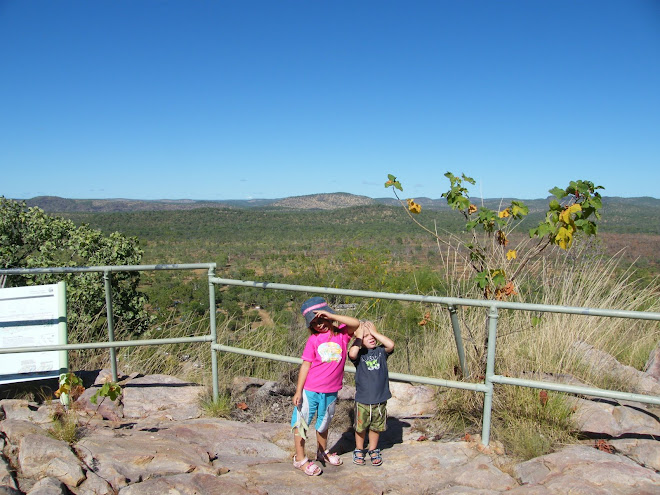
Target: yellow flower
{"points": [[504, 213], [471, 209], [511, 254], [414, 207]]}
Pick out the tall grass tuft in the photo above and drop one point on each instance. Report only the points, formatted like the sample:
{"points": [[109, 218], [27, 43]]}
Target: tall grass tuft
{"points": [[220, 408], [65, 426]]}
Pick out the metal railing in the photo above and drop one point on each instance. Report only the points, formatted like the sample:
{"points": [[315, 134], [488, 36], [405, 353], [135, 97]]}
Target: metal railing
{"points": [[451, 303]]}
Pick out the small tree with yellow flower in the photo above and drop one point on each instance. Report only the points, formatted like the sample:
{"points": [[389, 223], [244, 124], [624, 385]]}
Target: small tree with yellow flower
{"points": [[495, 263]]}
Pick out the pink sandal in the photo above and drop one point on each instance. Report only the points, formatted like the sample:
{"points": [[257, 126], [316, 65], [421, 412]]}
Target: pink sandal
{"points": [[326, 456], [307, 467]]}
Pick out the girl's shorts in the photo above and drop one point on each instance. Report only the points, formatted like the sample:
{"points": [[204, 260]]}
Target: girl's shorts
{"points": [[370, 417], [319, 403]]}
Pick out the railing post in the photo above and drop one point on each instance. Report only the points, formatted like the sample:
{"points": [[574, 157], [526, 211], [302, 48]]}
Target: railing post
{"points": [[490, 371], [62, 327], [111, 324], [459, 340], [214, 336]]}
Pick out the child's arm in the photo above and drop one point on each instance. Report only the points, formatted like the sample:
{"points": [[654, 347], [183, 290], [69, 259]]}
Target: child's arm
{"points": [[351, 323], [357, 343], [302, 376], [386, 341]]}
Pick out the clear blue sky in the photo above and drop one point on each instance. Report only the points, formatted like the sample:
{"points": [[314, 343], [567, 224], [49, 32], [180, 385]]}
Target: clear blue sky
{"points": [[247, 99]]}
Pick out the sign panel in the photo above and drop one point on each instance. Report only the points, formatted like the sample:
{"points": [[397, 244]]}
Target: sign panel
{"points": [[32, 316]]}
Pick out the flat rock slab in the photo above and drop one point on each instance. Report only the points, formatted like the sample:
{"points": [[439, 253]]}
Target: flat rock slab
{"points": [[42, 456], [20, 409], [162, 396], [459, 468], [142, 455], [190, 484], [202, 446], [614, 419], [581, 469], [422, 467]]}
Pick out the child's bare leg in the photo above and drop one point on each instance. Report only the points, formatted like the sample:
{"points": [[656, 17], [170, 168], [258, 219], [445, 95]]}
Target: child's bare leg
{"points": [[299, 443], [359, 440], [373, 439], [322, 441], [374, 453], [359, 452]]}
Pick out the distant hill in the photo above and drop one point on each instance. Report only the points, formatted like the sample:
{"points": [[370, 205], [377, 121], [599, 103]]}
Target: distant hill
{"points": [[622, 215], [643, 206], [330, 201], [55, 204], [324, 201]]}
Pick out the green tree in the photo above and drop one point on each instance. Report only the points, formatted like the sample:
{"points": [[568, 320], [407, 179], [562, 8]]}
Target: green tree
{"points": [[29, 238]]}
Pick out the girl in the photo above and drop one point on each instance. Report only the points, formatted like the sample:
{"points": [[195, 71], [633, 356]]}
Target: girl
{"points": [[319, 380]]}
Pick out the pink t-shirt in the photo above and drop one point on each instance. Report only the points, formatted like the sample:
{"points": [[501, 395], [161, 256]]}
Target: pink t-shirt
{"points": [[327, 353]]}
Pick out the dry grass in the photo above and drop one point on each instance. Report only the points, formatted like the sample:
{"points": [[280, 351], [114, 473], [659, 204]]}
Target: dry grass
{"points": [[540, 343]]}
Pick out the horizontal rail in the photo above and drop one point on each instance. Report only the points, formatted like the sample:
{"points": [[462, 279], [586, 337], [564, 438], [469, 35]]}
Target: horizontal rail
{"points": [[477, 387], [119, 268], [105, 345], [449, 301], [576, 389]]}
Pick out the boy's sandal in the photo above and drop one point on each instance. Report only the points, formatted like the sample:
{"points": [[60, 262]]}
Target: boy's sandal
{"points": [[307, 467], [326, 456], [376, 459], [358, 457]]}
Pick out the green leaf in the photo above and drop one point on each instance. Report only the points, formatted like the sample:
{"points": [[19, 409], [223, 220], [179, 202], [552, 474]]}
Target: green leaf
{"points": [[482, 279], [469, 180], [519, 209], [499, 279], [557, 192]]}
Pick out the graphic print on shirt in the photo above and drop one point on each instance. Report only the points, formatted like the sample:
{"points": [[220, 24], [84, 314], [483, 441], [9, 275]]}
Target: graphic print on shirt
{"points": [[372, 364], [330, 352]]}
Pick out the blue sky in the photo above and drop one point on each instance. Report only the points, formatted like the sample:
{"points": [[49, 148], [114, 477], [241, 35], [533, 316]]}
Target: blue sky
{"points": [[244, 99]]}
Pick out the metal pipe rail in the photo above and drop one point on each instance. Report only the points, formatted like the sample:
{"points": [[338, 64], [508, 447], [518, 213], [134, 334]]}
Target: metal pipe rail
{"points": [[493, 315], [107, 271], [113, 268], [448, 301], [106, 345], [477, 387]]}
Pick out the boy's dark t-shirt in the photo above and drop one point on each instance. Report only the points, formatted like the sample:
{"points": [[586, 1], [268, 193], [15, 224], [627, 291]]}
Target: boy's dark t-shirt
{"points": [[372, 384]]}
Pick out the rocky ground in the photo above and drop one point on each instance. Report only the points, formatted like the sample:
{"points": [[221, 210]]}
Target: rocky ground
{"points": [[157, 441]]}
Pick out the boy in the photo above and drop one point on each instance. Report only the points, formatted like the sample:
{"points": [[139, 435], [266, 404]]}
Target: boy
{"points": [[372, 389]]}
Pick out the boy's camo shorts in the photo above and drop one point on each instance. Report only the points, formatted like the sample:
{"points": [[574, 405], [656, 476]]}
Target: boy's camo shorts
{"points": [[370, 417]]}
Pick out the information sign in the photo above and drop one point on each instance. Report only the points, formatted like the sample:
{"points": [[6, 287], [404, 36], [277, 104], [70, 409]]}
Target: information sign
{"points": [[32, 316]]}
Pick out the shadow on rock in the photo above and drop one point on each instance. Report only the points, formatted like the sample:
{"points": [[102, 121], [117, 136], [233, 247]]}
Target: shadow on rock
{"points": [[390, 437]]}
